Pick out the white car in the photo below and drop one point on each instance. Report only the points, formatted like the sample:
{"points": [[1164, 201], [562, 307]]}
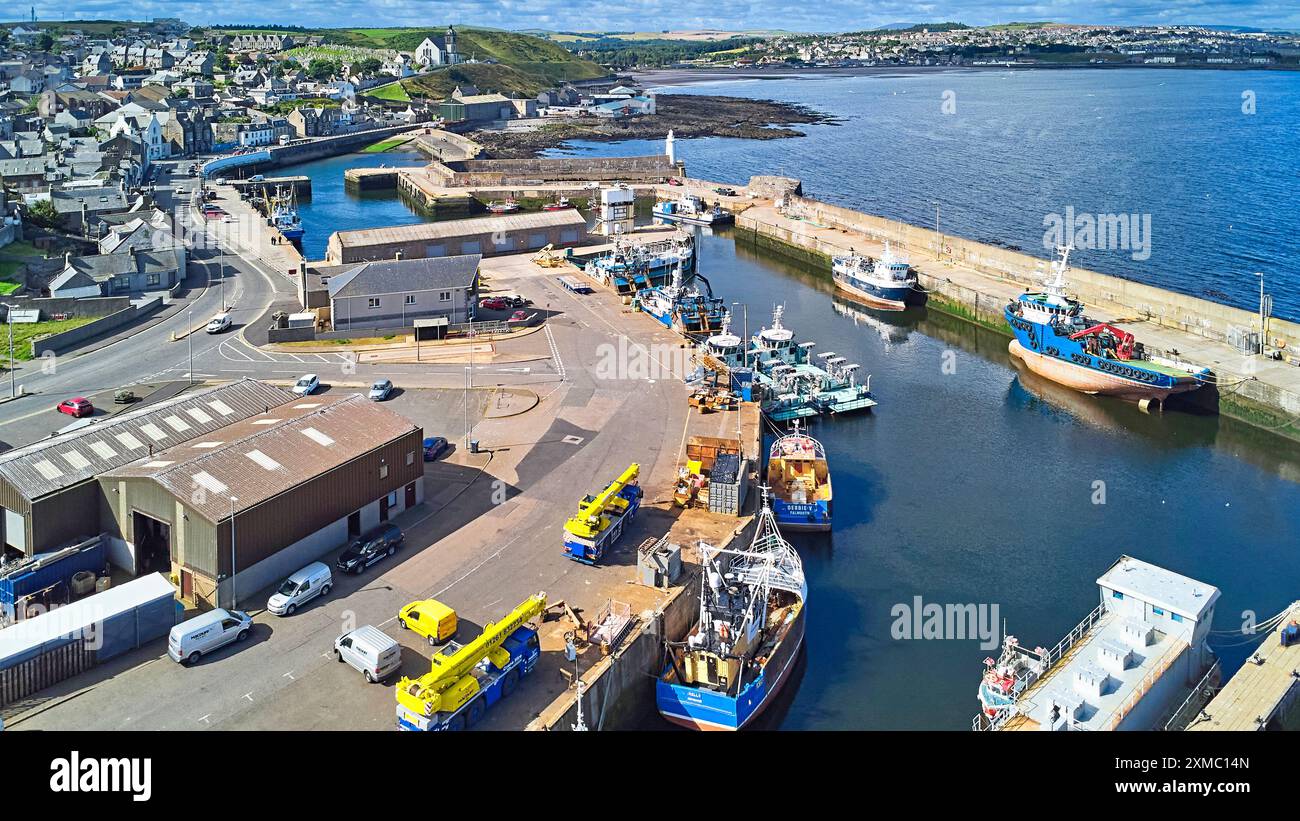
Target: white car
{"points": [[218, 323], [307, 384]]}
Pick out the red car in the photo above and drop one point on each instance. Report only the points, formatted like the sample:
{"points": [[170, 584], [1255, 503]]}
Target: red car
{"points": [[494, 303], [674, 181], [78, 406]]}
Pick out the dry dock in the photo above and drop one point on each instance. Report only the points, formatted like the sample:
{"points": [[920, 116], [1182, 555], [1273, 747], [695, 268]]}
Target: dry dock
{"points": [[1264, 694]]}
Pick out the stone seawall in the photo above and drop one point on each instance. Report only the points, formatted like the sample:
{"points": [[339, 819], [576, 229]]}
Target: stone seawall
{"points": [[974, 280]]}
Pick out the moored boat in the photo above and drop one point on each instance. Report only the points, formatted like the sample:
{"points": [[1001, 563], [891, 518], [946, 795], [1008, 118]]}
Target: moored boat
{"points": [[503, 206], [886, 281], [800, 478], [741, 650], [1056, 341], [628, 267], [692, 209], [684, 309]]}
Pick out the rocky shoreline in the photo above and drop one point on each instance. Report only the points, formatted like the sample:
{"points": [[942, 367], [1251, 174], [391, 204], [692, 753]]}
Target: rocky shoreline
{"points": [[686, 115]]}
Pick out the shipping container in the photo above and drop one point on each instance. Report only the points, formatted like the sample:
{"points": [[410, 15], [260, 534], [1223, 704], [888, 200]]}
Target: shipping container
{"points": [[51, 571]]}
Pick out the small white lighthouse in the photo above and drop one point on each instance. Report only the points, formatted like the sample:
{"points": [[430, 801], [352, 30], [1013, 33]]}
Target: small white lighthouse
{"points": [[668, 148]]}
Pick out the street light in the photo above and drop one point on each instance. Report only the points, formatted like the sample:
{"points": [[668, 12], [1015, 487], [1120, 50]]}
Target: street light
{"points": [[9, 314], [189, 339], [234, 602], [1264, 311]]}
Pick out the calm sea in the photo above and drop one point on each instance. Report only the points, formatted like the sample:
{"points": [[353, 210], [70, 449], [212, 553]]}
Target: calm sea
{"points": [[977, 484]]}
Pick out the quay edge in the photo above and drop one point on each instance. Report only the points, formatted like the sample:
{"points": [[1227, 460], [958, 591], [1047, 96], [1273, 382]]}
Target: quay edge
{"points": [[973, 281]]}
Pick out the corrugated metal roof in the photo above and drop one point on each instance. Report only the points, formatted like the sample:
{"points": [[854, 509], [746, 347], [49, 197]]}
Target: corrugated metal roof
{"points": [[475, 226], [59, 462], [257, 459]]}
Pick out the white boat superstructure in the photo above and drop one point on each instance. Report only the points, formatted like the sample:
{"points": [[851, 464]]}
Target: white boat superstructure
{"points": [[1129, 665]]}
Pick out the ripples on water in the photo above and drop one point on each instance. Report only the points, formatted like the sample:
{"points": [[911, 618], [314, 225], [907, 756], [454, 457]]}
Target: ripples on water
{"points": [[1219, 184]]}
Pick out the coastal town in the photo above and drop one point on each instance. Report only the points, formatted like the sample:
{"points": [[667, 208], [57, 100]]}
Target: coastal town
{"points": [[547, 444]]}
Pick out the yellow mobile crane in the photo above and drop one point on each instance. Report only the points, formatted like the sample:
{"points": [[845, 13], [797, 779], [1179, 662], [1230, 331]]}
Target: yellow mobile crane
{"points": [[600, 519], [468, 679]]}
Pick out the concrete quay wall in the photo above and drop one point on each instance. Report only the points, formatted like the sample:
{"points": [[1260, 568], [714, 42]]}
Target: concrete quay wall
{"points": [[1170, 309], [974, 281]]}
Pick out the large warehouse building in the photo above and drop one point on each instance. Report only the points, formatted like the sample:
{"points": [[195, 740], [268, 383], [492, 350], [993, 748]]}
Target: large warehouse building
{"points": [[270, 493], [162, 485], [48, 491], [509, 234]]}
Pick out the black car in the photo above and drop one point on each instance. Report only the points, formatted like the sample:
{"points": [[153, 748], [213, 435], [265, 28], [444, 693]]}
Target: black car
{"points": [[369, 548]]}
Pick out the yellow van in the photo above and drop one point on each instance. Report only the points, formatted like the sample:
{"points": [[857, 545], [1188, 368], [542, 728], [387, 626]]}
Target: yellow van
{"points": [[431, 619]]}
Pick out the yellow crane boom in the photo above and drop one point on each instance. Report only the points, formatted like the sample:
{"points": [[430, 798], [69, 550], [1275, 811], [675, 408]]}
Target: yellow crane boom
{"points": [[586, 523], [451, 683]]}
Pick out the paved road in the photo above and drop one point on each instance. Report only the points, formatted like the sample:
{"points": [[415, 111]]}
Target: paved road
{"points": [[487, 536]]}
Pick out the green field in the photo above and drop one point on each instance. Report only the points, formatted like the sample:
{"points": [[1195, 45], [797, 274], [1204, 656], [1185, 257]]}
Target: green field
{"points": [[393, 92], [24, 333], [386, 145]]}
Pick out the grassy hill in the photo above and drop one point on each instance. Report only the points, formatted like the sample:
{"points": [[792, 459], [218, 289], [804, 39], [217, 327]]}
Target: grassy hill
{"points": [[487, 77]]}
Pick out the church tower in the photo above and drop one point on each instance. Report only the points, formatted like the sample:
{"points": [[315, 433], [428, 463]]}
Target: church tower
{"points": [[449, 45]]}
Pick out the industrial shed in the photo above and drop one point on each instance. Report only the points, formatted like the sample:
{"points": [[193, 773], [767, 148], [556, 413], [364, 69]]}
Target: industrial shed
{"points": [[48, 494], [480, 235], [267, 495]]}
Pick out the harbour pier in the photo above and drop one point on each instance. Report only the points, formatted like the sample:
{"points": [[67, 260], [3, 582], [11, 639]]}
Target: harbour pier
{"points": [[1265, 693], [975, 280]]}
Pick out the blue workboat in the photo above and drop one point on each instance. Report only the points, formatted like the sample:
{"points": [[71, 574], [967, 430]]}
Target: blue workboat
{"points": [[1056, 341], [800, 478], [886, 281], [740, 653], [683, 308], [630, 267]]}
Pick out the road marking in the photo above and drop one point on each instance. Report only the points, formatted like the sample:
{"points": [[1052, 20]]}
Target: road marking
{"points": [[205, 718], [289, 675], [249, 696]]}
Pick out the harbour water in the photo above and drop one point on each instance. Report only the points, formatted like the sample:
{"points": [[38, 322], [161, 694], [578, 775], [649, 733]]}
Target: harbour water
{"points": [[1019, 145], [332, 207], [971, 482]]}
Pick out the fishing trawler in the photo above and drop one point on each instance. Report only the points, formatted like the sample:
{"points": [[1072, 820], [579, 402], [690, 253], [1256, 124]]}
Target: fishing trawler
{"points": [[559, 204], [629, 267], [684, 309], [738, 655], [502, 206], [1131, 664], [284, 216], [800, 478], [692, 209], [1056, 341], [886, 281]]}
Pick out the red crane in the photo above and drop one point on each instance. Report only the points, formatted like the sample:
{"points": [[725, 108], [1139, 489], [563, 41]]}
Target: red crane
{"points": [[1123, 339]]}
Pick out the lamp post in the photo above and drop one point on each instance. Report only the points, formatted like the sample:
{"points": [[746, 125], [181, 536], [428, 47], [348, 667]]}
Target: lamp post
{"points": [[1262, 312], [9, 314], [744, 340], [938, 247], [189, 339], [234, 602]]}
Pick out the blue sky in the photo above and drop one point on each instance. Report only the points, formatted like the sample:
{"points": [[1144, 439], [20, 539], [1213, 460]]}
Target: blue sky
{"points": [[643, 15]]}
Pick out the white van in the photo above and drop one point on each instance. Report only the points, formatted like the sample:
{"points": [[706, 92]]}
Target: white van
{"points": [[375, 653], [218, 323], [203, 634], [313, 580]]}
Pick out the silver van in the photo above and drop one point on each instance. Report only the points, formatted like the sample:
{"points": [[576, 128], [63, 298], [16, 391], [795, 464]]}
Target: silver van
{"points": [[372, 651], [203, 634], [313, 580]]}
